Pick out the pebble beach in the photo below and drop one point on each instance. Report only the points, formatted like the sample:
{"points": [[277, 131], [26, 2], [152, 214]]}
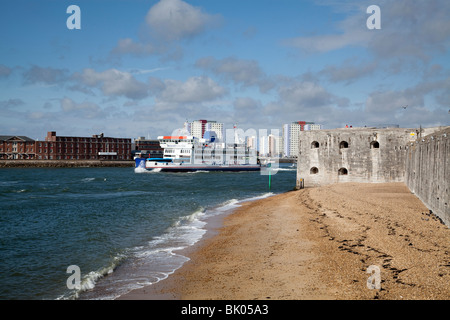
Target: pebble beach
{"points": [[324, 243]]}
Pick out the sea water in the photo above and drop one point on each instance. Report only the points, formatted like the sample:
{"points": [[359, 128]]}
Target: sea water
{"points": [[122, 228]]}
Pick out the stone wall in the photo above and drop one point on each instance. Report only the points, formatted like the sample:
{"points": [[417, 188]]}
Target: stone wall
{"points": [[353, 155], [427, 172]]}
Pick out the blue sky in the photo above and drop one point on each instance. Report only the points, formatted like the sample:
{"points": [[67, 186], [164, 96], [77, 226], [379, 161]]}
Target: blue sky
{"points": [[141, 67]]}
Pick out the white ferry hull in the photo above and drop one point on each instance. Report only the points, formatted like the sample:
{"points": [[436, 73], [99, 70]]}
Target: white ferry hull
{"points": [[182, 167]]}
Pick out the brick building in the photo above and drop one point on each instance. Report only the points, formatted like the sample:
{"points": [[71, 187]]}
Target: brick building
{"points": [[97, 147], [17, 147]]}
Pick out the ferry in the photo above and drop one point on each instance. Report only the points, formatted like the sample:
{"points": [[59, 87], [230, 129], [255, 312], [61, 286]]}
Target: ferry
{"points": [[188, 154]]}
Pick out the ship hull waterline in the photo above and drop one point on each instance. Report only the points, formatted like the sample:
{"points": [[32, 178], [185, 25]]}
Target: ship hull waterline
{"points": [[141, 163]]}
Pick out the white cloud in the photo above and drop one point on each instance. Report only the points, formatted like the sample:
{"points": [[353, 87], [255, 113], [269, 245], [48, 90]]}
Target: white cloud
{"points": [[175, 20], [167, 23], [113, 82], [349, 71], [5, 71], [10, 104], [408, 29], [47, 75], [390, 103], [84, 110], [128, 46], [305, 94], [193, 90], [240, 71], [249, 112]]}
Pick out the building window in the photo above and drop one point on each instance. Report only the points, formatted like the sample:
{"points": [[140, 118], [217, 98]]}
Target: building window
{"points": [[342, 172], [343, 145], [374, 145], [314, 145], [314, 170]]}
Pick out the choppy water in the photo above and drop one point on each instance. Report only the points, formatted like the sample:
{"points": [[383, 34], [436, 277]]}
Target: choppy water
{"points": [[121, 228]]}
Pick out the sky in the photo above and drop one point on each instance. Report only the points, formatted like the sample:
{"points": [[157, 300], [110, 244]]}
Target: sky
{"points": [[143, 67]]}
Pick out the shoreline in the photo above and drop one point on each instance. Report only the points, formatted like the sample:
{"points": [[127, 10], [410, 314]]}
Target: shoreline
{"points": [[159, 290], [317, 243], [64, 163]]}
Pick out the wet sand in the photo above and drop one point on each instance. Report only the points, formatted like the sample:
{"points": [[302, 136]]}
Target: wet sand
{"points": [[318, 243]]}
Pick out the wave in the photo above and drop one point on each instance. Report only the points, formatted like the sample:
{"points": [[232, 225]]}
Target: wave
{"points": [[263, 196], [198, 171], [89, 281], [143, 170], [146, 264], [158, 258], [140, 170], [8, 183]]}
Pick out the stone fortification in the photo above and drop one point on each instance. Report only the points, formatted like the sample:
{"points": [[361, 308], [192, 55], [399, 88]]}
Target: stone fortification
{"points": [[427, 172], [353, 155], [418, 157]]}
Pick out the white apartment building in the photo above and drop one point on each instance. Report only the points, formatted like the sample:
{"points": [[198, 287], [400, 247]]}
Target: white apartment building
{"points": [[293, 139], [291, 134], [251, 142], [286, 136], [217, 128], [270, 146], [312, 126], [197, 128], [274, 145]]}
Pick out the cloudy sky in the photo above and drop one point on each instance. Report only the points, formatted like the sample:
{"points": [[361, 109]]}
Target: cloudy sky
{"points": [[143, 67]]}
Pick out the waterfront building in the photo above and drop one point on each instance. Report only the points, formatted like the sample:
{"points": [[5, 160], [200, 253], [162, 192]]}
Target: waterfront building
{"points": [[97, 147], [217, 127], [270, 146], [197, 128], [17, 148], [273, 145], [291, 133], [286, 138], [251, 142]]}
